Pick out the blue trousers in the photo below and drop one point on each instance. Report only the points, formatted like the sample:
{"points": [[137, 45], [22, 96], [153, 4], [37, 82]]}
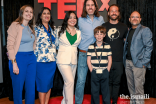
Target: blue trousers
{"points": [[81, 77], [26, 62]]}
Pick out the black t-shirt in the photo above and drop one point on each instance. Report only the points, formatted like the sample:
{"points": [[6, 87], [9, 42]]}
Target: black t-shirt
{"points": [[130, 35], [115, 34]]}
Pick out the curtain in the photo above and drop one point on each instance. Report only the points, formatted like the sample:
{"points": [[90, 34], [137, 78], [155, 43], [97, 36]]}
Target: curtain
{"points": [[147, 9]]}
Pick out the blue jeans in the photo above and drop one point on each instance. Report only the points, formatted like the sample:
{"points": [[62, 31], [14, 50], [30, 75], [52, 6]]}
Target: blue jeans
{"points": [[81, 77]]}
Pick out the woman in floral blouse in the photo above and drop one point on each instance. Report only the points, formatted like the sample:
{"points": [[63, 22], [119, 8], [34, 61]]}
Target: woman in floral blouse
{"points": [[45, 53]]}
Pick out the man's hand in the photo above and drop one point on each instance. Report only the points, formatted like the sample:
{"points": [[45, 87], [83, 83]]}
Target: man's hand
{"points": [[91, 70], [109, 63], [108, 70], [89, 63]]}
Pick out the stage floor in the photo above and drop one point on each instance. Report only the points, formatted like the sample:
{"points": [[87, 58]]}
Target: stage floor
{"points": [[57, 100]]}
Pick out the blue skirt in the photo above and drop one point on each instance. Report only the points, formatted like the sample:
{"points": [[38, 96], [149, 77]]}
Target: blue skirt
{"points": [[44, 76]]}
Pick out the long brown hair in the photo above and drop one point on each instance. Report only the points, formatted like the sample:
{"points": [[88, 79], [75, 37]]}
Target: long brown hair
{"points": [[84, 13], [20, 17]]}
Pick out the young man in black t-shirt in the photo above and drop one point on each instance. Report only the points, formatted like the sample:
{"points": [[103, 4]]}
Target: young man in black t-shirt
{"points": [[115, 35]]}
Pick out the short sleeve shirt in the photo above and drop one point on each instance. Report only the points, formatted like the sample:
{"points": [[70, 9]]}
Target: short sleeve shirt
{"points": [[104, 57], [115, 34]]}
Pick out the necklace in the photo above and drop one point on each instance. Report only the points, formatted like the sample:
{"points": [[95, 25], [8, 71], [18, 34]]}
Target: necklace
{"points": [[29, 31], [69, 30]]}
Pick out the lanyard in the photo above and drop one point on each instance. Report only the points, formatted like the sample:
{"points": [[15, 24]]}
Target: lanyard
{"points": [[50, 40], [49, 31], [100, 54], [50, 37]]}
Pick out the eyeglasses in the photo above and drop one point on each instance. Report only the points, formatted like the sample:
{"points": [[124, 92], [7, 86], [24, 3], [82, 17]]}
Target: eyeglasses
{"points": [[135, 17]]}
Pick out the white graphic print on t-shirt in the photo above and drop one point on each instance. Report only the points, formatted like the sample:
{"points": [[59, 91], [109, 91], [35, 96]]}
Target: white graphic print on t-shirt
{"points": [[113, 33]]}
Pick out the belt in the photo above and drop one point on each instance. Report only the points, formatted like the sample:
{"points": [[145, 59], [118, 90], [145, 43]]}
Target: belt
{"points": [[99, 68], [83, 51]]}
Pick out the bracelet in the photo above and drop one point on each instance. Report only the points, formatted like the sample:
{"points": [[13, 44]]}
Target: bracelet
{"points": [[13, 61]]}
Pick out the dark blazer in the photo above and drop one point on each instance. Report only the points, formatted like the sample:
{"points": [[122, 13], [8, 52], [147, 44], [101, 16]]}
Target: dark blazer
{"points": [[141, 47]]}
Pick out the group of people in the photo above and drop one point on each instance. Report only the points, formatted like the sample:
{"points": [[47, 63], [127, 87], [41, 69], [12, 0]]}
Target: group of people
{"points": [[103, 48]]}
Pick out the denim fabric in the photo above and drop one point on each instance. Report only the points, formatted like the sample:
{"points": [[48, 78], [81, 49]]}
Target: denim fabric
{"points": [[81, 77], [141, 47]]}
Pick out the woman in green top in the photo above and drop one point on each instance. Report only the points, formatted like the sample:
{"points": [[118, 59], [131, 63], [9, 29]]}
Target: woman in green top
{"points": [[69, 39]]}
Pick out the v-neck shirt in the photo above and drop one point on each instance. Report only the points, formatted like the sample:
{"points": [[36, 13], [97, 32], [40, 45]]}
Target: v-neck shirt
{"points": [[71, 38]]}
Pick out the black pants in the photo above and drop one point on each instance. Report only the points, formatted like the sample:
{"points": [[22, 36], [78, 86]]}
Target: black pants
{"points": [[114, 80], [100, 81]]}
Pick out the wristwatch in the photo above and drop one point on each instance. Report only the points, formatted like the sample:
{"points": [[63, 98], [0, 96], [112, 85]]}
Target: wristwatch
{"points": [[13, 61]]}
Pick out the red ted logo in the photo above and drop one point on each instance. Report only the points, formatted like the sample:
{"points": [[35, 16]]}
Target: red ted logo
{"points": [[61, 7]]}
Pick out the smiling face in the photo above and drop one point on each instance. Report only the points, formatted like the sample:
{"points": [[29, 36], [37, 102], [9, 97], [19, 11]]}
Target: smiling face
{"points": [[135, 18], [45, 17], [99, 36], [27, 14], [90, 7], [114, 13], [72, 20]]}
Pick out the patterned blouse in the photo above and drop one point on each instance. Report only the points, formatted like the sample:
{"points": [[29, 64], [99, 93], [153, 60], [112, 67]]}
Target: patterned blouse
{"points": [[45, 48]]}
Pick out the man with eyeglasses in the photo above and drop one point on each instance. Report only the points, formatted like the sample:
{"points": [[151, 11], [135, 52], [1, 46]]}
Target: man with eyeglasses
{"points": [[115, 35], [137, 54]]}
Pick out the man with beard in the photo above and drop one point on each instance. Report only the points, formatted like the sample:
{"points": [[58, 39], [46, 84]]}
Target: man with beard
{"points": [[137, 53], [115, 34], [88, 21]]}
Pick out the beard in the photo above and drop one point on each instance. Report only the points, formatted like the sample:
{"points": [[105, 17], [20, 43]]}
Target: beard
{"points": [[135, 24], [113, 19]]}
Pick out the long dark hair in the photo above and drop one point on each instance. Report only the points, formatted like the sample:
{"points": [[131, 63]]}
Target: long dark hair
{"points": [[20, 17], [64, 24], [84, 12], [39, 20]]}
